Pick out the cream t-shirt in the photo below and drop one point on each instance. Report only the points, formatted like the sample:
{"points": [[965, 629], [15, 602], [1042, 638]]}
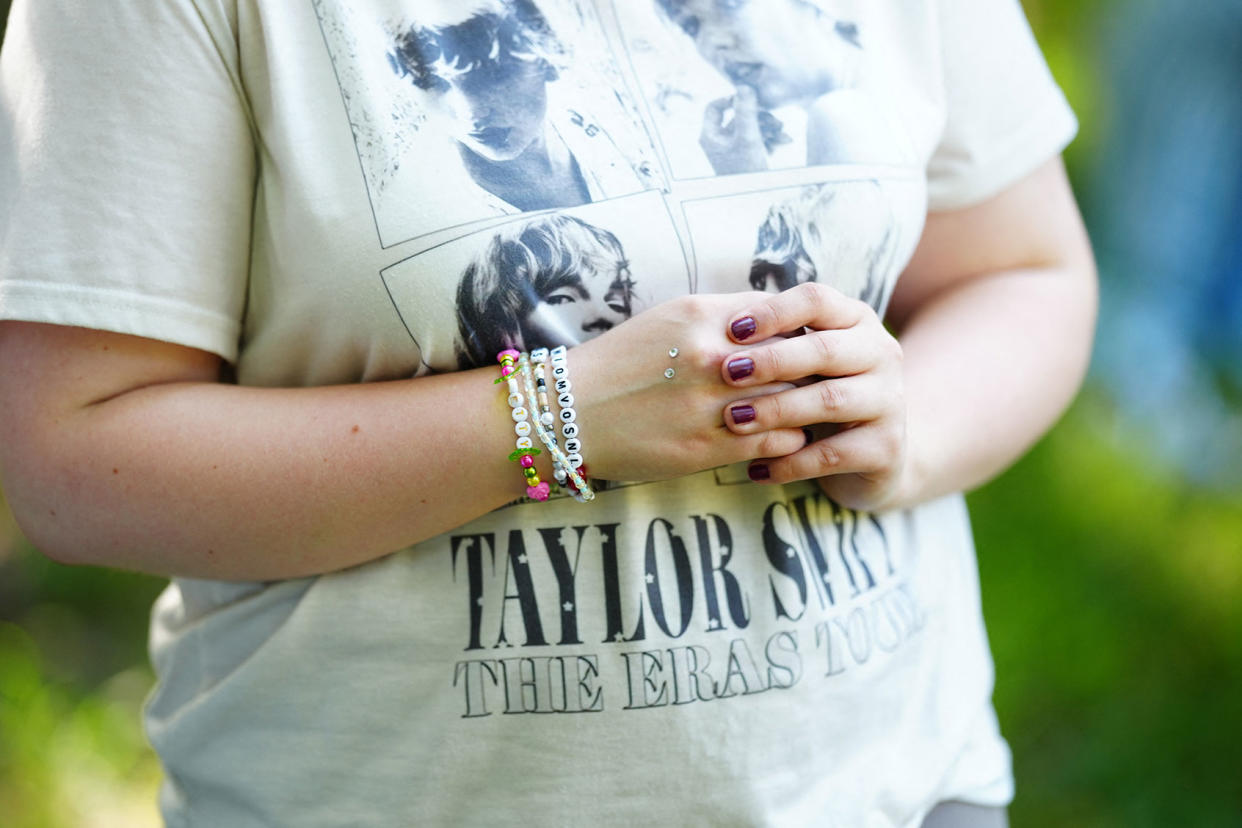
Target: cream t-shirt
{"points": [[323, 191]]}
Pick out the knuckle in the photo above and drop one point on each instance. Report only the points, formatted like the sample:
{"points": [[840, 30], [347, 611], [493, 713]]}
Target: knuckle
{"points": [[826, 455], [831, 396], [823, 348], [773, 444]]}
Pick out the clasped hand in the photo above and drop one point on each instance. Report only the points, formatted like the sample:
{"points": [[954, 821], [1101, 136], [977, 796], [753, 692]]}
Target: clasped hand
{"points": [[846, 372], [804, 384]]}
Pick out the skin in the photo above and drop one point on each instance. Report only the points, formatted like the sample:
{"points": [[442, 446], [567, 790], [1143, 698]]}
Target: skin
{"points": [[994, 317]]}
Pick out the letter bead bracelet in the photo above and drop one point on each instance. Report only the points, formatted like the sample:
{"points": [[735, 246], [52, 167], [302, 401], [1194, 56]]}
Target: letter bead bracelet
{"points": [[525, 376]]}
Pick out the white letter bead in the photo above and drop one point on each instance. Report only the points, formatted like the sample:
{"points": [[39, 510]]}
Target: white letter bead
{"points": [[559, 352], [520, 413], [573, 445], [565, 400], [563, 386], [539, 355], [522, 429], [568, 415], [525, 442], [570, 430], [514, 388], [516, 400], [575, 460], [559, 371]]}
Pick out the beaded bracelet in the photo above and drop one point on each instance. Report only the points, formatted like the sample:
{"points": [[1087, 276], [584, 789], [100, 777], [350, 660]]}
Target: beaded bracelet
{"points": [[576, 468], [539, 358], [525, 453], [574, 479]]}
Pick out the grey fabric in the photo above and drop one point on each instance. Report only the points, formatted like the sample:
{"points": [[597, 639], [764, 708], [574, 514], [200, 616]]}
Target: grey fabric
{"points": [[964, 815]]}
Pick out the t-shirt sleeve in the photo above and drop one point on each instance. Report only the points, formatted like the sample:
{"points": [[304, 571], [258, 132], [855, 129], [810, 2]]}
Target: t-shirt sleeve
{"points": [[127, 167], [1005, 113]]}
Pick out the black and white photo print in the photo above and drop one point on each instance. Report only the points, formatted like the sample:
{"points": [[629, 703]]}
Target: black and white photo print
{"points": [[557, 278], [845, 234], [754, 84], [495, 105]]}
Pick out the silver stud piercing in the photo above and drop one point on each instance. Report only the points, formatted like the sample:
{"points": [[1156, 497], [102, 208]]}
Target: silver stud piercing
{"points": [[673, 352], [669, 373]]}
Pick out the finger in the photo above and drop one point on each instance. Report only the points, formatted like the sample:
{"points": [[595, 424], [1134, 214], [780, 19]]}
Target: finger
{"points": [[866, 449], [809, 305], [777, 443], [833, 353], [859, 398]]}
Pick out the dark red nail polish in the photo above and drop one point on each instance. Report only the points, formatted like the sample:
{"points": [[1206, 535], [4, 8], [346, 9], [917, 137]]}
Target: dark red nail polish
{"points": [[743, 328], [759, 471], [742, 413], [741, 368]]}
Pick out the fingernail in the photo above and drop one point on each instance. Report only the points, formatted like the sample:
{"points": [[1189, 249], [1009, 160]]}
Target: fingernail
{"points": [[742, 413], [743, 328], [741, 368], [759, 471]]}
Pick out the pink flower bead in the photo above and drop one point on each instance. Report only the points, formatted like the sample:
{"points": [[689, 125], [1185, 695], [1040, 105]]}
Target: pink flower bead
{"points": [[539, 492], [508, 352], [506, 370]]}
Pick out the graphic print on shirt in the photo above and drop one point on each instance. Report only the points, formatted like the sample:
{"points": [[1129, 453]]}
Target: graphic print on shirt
{"points": [[793, 594], [462, 111], [796, 234], [550, 279], [743, 86]]}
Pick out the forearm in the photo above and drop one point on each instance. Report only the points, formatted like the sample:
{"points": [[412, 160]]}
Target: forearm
{"points": [[213, 480], [989, 366], [128, 452]]}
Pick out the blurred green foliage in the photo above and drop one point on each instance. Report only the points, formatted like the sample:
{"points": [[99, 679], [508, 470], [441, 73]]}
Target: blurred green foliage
{"points": [[1112, 591]]}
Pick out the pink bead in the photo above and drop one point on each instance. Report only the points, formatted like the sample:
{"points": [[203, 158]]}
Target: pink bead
{"points": [[506, 370], [527, 461], [539, 492], [508, 352]]}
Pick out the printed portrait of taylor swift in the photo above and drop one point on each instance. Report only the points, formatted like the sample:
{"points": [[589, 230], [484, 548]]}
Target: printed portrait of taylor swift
{"points": [[785, 92], [497, 83]]}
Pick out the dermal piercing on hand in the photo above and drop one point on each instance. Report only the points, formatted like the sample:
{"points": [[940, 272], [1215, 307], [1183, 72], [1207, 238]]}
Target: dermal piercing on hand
{"points": [[669, 373]]}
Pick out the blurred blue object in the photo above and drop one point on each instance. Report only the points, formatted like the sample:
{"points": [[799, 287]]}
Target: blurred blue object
{"points": [[1165, 206]]}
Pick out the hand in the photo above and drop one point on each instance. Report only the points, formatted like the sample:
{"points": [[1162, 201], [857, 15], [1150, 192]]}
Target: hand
{"points": [[639, 425], [847, 370], [734, 145]]}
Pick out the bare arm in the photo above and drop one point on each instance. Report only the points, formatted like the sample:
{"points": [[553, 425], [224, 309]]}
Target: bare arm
{"points": [[126, 452], [994, 316]]}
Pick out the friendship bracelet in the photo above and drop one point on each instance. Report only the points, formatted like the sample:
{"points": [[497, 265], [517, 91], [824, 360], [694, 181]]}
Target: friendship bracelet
{"points": [[576, 467], [566, 472], [525, 453], [539, 357]]}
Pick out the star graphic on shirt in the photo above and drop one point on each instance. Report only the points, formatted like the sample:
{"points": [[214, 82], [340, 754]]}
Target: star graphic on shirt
{"points": [[789, 553], [827, 579], [650, 578], [567, 606], [480, 601], [521, 559], [618, 637], [724, 551], [712, 623]]}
